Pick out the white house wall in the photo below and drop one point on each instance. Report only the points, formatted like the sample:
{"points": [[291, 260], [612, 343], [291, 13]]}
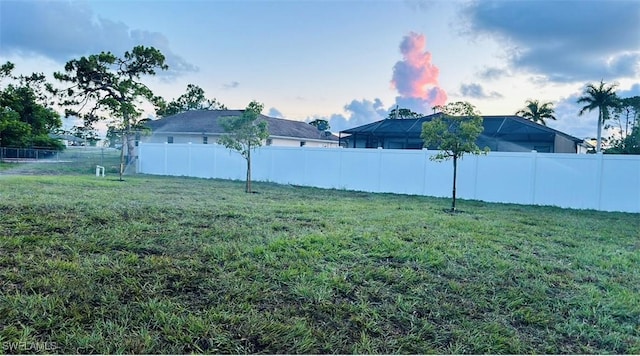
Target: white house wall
{"points": [[601, 182], [177, 138], [296, 142]]}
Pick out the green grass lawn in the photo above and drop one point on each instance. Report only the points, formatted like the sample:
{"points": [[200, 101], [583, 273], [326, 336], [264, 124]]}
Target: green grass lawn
{"points": [[180, 265]]}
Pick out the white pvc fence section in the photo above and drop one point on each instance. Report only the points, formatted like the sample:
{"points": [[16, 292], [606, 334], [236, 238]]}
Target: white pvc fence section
{"points": [[600, 182]]}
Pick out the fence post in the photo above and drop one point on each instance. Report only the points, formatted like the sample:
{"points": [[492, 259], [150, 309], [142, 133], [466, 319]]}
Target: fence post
{"points": [[189, 161], [534, 173], [476, 159], [425, 157], [271, 166], [379, 151], [214, 150], [305, 173], [599, 157], [338, 183], [166, 147], [139, 162]]}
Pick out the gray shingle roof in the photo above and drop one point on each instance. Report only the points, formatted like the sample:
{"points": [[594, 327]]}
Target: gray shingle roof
{"points": [[494, 126], [206, 121]]}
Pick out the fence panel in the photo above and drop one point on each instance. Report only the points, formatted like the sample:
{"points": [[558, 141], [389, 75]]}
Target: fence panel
{"points": [[322, 167], [505, 178], [438, 177], [402, 172], [201, 162], [154, 161], [12, 154], [360, 170], [71, 160], [567, 180], [602, 182], [286, 165], [620, 183]]}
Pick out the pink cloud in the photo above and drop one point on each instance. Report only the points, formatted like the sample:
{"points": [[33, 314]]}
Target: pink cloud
{"points": [[416, 77]]}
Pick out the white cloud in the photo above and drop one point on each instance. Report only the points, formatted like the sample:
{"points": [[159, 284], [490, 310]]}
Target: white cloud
{"points": [[273, 112], [359, 112]]}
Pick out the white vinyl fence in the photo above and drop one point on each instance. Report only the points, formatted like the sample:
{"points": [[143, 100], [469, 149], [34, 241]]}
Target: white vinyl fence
{"points": [[600, 182]]}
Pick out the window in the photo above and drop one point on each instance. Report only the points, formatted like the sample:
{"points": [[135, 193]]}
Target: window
{"points": [[303, 143], [205, 140], [542, 149], [170, 139], [269, 142]]}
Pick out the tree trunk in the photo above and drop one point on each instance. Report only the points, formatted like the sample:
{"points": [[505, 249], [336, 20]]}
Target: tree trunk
{"points": [[130, 149], [626, 124], [121, 170], [248, 184], [599, 139], [125, 141], [455, 173]]}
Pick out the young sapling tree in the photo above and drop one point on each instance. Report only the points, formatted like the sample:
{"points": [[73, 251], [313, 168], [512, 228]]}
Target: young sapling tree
{"points": [[454, 133], [245, 133]]}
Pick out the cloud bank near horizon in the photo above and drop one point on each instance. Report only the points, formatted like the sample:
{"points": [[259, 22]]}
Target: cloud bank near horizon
{"points": [[359, 112]]}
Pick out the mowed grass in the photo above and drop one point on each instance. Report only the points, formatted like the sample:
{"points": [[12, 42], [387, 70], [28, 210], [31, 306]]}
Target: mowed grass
{"points": [[180, 265]]}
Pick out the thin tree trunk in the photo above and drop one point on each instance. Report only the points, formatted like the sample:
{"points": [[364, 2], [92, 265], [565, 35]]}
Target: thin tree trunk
{"points": [[248, 185], [130, 149], [626, 125], [599, 139], [124, 144], [455, 172], [125, 141]]}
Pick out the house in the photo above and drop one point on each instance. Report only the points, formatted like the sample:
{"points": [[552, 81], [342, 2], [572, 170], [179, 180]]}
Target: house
{"points": [[70, 140], [202, 126], [501, 133]]}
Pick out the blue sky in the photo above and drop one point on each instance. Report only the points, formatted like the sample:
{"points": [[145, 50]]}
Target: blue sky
{"points": [[349, 61]]}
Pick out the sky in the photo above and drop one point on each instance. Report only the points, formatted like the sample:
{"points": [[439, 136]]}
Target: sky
{"points": [[349, 61]]}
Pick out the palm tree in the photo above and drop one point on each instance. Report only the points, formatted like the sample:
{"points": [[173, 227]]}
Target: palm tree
{"points": [[536, 112], [602, 98]]}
